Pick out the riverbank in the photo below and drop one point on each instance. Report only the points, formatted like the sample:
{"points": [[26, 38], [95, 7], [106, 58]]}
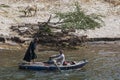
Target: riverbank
{"points": [[15, 46], [10, 13]]}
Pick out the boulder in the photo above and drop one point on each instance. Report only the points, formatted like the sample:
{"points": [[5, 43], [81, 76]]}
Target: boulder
{"points": [[2, 39], [17, 39]]}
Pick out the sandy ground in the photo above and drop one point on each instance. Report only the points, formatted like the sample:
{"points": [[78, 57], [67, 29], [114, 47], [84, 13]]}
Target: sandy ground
{"points": [[12, 15]]}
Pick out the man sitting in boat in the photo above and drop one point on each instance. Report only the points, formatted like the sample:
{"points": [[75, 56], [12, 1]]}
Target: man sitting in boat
{"points": [[30, 53], [59, 59]]}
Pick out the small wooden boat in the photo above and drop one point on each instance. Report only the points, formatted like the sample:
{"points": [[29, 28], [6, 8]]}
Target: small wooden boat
{"points": [[38, 66]]}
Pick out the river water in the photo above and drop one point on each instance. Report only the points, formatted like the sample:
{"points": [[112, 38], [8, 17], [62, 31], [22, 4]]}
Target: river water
{"points": [[104, 64]]}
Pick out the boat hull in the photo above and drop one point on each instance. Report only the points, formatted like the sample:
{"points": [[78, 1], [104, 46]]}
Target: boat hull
{"points": [[38, 66]]}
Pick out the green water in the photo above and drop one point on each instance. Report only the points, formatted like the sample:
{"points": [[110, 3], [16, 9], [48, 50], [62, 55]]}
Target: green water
{"points": [[104, 64]]}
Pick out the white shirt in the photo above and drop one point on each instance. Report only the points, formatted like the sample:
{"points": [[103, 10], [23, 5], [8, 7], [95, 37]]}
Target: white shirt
{"points": [[60, 58]]}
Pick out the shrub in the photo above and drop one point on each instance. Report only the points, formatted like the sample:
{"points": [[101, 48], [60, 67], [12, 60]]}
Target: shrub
{"points": [[77, 19]]}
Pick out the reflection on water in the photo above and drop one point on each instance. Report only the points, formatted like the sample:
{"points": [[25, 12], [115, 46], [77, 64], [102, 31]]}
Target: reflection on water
{"points": [[104, 64]]}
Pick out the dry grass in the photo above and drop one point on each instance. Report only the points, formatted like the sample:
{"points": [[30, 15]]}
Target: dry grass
{"points": [[114, 2], [86, 0]]}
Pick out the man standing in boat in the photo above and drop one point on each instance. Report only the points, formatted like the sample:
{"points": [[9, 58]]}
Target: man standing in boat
{"points": [[30, 53], [59, 59]]}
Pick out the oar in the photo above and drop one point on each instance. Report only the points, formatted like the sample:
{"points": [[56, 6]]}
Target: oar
{"points": [[57, 66]]}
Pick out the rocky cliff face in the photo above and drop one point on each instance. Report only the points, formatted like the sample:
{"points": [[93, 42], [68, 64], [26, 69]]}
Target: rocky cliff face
{"points": [[12, 12]]}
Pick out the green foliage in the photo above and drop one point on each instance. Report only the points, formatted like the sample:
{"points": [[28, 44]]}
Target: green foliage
{"points": [[78, 20], [47, 30]]}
